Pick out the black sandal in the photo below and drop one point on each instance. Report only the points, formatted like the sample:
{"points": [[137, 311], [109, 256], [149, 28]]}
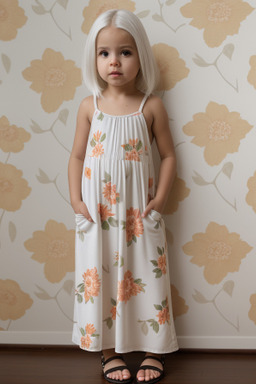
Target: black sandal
{"points": [[144, 367], [118, 368]]}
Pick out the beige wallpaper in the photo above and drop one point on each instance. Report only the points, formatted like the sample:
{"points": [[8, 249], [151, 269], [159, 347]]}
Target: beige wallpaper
{"points": [[206, 53]]}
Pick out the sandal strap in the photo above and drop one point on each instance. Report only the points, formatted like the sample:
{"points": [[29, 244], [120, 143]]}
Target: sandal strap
{"points": [[118, 368], [116, 357], [160, 359], [144, 367]]}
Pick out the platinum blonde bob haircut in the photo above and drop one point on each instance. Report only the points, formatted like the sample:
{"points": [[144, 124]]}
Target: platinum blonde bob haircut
{"points": [[147, 77]]}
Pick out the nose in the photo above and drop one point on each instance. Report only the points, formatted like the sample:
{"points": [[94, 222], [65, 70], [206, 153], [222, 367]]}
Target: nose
{"points": [[114, 61]]}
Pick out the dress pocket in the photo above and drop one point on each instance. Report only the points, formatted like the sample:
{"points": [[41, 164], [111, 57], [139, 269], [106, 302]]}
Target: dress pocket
{"points": [[155, 215], [82, 223]]}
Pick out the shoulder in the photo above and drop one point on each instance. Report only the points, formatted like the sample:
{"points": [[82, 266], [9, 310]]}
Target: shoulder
{"points": [[86, 108], [155, 104]]}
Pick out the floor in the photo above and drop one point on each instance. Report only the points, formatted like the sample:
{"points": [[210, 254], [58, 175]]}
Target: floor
{"points": [[70, 365]]}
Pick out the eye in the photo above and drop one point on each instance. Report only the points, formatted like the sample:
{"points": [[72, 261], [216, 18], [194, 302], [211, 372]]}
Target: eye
{"points": [[103, 53], [126, 52]]}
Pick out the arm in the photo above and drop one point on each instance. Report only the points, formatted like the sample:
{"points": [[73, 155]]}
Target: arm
{"points": [[161, 131], [75, 166]]}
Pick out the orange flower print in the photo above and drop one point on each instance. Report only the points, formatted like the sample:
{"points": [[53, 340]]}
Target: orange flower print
{"points": [[150, 182], [110, 193], [12, 138], [90, 329], [86, 341], [96, 143], [133, 149], [97, 136], [97, 150], [87, 336], [129, 287], [90, 286], [133, 225], [251, 195], [252, 73], [109, 320], [163, 317], [87, 173], [160, 263], [106, 217], [113, 312]]}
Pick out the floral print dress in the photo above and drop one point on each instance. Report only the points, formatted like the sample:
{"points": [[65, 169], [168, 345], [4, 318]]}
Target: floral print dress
{"points": [[122, 297]]}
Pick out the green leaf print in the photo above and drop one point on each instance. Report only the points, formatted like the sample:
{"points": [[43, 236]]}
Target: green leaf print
{"points": [[109, 322], [103, 137], [157, 225], [82, 331], [134, 238], [158, 307], [118, 199], [91, 300], [164, 303], [155, 326], [107, 177], [138, 146], [81, 235], [113, 222], [113, 302], [100, 117], [154, 262], [128, 147], [79, 298], [158, 272], [81, 288], [122, 262], [144, 328], [129, 243], [105, 225], [123, 223], [159, 250], [93, 143]]}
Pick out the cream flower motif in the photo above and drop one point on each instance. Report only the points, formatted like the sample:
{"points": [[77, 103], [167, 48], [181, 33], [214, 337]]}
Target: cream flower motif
{"points": [[13, 188], [12, 138], [54, 77], [178, 303], [13, 301], [218, 251], [178, 193], [252, 312], [12, 17], [172, 68], [251, 195], [96, 7], [218, 130], [54, 247], [218, 18], [252, 73]]}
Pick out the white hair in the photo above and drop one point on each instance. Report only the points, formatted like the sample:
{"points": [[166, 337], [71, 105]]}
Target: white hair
{"points": [[147, 78]]}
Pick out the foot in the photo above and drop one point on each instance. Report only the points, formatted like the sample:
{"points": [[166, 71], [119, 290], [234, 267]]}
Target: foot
{"points": [[118, 374], [149, 374]]}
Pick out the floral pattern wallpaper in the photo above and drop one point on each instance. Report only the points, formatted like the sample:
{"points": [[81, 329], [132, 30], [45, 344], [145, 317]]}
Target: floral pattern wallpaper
{"points": [[206, 56]]}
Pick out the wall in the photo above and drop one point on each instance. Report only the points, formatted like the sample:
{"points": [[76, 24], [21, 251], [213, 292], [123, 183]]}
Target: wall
{"points": [[207, 58]]}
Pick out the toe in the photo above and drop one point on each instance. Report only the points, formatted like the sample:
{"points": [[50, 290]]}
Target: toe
{"points": [[141, 375], [126, 374]]}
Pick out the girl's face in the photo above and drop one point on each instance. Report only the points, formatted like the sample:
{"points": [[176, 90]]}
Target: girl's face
{"points": [[117, 57]]}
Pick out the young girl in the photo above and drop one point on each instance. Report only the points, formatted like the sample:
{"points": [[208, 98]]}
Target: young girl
{"points": [[123, 299]]}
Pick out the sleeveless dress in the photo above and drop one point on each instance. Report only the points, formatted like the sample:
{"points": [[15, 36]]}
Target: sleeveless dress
{"points": [[122, 294]]}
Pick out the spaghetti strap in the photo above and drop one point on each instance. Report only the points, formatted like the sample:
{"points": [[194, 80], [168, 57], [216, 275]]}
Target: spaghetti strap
{"points": [[95, 101], [143, 103]]}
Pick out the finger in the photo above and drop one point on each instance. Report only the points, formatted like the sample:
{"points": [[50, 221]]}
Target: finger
{"points": [[147, 210]]}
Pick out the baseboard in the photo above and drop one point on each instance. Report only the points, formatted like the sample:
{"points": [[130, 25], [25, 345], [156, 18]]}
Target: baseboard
{"points": [[185, 342]]}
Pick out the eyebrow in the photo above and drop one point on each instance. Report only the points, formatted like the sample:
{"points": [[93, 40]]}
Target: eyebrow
{"points": [[121, 47]]}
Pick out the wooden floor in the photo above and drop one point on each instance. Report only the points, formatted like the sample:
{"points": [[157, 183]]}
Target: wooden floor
{"points": [[70, 365]]}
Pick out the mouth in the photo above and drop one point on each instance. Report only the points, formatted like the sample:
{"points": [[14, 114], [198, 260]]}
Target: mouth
{"points": [[115, 73]]}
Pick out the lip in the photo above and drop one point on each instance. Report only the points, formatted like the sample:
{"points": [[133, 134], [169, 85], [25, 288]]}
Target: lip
{"points": [[115, 73]]}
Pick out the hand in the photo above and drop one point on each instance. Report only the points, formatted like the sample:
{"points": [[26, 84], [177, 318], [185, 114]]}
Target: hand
{"points": [[153, 204], [80, 207]]}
